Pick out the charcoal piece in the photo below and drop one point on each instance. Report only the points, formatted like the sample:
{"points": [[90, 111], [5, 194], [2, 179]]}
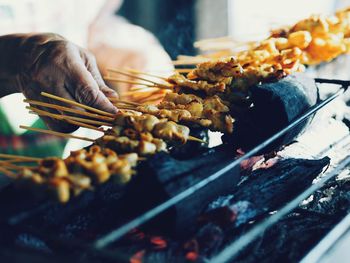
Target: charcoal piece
{"points": [[162, 177], [290, 239], [276, 105], [265, 190], [332, 199], [269, 189]]}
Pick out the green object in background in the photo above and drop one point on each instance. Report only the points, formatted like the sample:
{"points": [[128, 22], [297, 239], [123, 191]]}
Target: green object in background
{"points": [[29, 143]]}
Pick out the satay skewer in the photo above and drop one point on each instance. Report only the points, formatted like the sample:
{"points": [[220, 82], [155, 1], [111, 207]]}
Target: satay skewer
{"points": [[70, 136], [75, 121]]}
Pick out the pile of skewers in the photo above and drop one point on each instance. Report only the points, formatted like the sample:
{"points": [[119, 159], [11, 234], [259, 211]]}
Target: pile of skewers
{"points": [[211, 96], [129, 133], [62, 179], [311, 41]]}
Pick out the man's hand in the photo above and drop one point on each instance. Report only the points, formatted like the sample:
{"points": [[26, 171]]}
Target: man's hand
{"points": [[49, 63]]}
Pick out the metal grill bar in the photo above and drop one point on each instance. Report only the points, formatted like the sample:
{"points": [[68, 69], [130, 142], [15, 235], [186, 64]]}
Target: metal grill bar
{"points": [[317, 252], [121, 231]]}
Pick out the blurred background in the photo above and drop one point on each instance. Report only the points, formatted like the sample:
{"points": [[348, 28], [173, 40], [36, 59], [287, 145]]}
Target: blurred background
{"points": [[146, 35]]}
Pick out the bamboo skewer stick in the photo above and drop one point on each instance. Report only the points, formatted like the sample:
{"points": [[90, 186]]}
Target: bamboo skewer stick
{"points": [[185, 62], [142, 88], [17, 161], [15, 167], [19, 157], [167, 86], [146, 74], [140, 91], [87, 121], [190, 60], [215, 39], [71, 118], [84, 125], [77, 104], [152, 98], [127, 108], [184, 70], [63, 108], [8, 173], [66, 117], [124, 101], [191, 138], [60, 134], [128, 81]]}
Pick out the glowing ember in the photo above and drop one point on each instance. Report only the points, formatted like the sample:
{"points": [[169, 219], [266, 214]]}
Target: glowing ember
{"points": [[137, 257], [158, 242]]}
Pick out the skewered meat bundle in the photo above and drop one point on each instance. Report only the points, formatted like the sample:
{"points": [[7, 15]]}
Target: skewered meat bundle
{"points": [[142, 133], [321, 38], [82, 170], [144, 145], [313, 40], [146, 123], [253, 106]]}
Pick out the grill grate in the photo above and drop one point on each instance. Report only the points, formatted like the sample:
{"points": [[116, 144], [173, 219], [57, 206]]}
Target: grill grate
{"points": [[100, 246]]}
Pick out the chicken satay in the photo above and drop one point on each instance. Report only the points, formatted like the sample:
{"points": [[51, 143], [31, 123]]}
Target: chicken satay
{"points": [[58, 187], [79, 183], [221, 71], [142, 123], [96, 167], [82, 170], [124, 144], [182, 99], [183, 84], [52, 167], [171, 131], [207, 111]]}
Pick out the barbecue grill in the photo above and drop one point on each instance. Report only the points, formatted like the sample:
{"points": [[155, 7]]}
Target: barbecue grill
{"points": [[275, 213]]}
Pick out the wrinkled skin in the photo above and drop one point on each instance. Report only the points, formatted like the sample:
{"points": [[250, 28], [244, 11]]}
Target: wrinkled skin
{"points": [[35, 63]]}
